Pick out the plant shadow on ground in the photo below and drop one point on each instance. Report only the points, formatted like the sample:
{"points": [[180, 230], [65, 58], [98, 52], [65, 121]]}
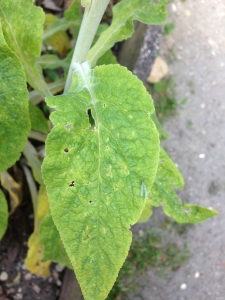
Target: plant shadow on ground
{"points": [[164, 95], [154, 249]]}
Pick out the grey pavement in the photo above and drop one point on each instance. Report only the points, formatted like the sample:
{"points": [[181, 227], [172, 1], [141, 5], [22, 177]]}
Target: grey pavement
{"points": [[197, 145]]}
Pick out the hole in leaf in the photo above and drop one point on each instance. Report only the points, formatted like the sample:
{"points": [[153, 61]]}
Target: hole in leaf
{"points": [[66, 150], [104, 105], [68, 127], [91, 119], [90, 202], [72, 184]]}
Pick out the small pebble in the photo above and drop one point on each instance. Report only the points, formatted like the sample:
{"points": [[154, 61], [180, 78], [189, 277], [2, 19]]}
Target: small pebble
{"points": [[202, 155], [4, 276], [174, 8], [55, 274], [203, 105], [59, 268], [36, 288], [197, 274], [28, 276], [183, 286], [19, 290], [58, 282]]}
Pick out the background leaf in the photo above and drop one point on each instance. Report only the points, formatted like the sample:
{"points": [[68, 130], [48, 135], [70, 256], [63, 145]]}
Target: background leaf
{"points": [[162, 193], [3, 214], [59, 41], [25, 38], [72, 19], [53, 246], [33, 260], [124, 13], [14, 114], [13, 188], [37, 118], [93, 173]]}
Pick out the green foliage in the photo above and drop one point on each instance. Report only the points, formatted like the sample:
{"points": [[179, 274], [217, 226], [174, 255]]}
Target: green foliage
{"points": [[71, 19], [37, 118], [124, 13], [162, 193], [3, 214], [102, 154], [14, 115], [25, 38], [168, 28], [104, 166], [53, 246]]}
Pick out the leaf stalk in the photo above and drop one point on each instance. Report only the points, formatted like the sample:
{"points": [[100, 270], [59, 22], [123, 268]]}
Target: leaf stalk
{"points": [[91, 20]]}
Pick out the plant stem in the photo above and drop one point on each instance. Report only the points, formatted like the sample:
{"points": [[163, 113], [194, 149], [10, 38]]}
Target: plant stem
{"points": [[91, 20]]}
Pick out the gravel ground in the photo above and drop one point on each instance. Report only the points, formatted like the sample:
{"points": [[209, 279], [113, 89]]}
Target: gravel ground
{"points": [[196, 51]]}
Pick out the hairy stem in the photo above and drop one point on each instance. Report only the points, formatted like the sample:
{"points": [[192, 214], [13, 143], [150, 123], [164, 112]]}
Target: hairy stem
{"points": [[91, 20]]}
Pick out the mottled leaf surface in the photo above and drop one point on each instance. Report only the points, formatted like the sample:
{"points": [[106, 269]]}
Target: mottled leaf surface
{"points": [[22, 24], [3, 214], [14, 114], [162, 193], [52, 243], [124, 13], [93, 172]]}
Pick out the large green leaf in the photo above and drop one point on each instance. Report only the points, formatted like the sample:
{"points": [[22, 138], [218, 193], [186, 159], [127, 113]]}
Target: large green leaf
{"points": [[22, 24], [3, 214], [14, 114], [162, 193], [53, 246], [124, 13], [93, 172]]}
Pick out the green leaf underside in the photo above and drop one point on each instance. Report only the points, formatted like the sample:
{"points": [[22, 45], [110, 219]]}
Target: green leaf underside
{"points": [[162, 193], [14, 114], [22, 24], [93, 174], [3, 214], [53, 246], [124, 13], [37, 118]]}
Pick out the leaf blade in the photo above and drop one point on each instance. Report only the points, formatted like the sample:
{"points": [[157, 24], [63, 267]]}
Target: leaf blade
{"points": [[162, 193], [14, 115], [95, 193], [19, 34], [3, 214]]}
